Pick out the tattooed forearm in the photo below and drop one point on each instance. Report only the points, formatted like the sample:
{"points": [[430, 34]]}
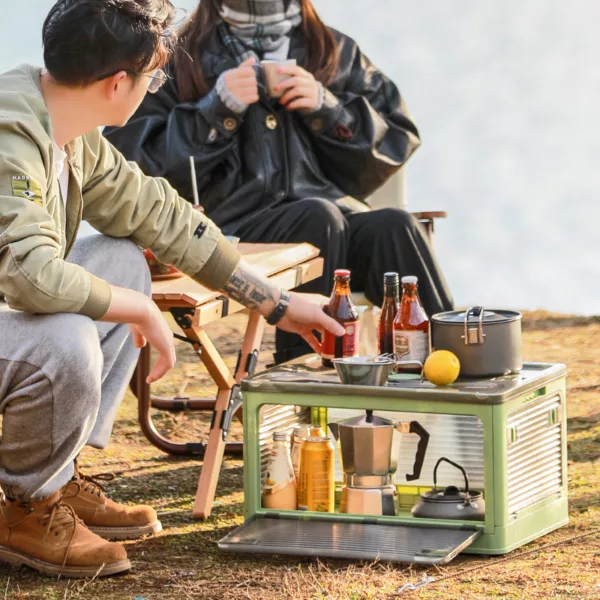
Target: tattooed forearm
{"points": [[252, 289]]}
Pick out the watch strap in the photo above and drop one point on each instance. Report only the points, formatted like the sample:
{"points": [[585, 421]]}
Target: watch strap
{"points": [[280, 308]]}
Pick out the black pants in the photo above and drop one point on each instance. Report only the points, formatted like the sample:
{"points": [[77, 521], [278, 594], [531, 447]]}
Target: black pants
{"points": [[367, 243]]}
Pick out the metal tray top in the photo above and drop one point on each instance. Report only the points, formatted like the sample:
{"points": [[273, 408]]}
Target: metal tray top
{"points": [[362, 541], [307, 376]]}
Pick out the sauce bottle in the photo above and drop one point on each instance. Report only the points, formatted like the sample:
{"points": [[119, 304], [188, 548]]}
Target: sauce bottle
{"points": [[279, 490], [411, 329], [342, 309], [391, 303]]}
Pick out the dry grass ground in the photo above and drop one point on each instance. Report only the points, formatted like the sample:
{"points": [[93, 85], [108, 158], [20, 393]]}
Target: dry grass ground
{"points": [[183, 562]]}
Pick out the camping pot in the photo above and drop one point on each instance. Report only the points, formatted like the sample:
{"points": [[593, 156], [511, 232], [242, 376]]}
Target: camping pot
{"points": [[486, 342], [366, 444]]}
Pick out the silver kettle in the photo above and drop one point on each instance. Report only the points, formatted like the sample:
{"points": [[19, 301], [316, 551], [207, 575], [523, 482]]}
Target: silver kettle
{"points": [[450, 502], [366, 444]]}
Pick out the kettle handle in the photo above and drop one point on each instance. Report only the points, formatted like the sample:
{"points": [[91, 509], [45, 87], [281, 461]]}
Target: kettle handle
{"points": [[444, 459], [416, 427]]}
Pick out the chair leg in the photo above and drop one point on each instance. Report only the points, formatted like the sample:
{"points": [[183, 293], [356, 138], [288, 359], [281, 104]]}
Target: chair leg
{"points": [[207, 484]]}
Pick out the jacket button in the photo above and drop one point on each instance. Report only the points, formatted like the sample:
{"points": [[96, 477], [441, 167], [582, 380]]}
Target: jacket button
{"points": [[271, 122], [212, 135], [230, 124], [316, 124]]}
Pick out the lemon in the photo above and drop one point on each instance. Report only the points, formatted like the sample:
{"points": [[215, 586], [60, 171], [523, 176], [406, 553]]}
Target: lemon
{"points": [[442, 367]]}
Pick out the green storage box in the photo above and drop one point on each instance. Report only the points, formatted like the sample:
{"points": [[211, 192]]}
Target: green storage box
{"points": [[509, 433]]}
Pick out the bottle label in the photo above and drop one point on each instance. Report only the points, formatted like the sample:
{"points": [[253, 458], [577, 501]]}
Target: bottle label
{"points": [[411, 345], [342, 347], [280, 472]]}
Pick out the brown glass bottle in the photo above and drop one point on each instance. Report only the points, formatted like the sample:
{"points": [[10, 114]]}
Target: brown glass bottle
{"points": [[391, 303], [342, 309], [411, 329]]}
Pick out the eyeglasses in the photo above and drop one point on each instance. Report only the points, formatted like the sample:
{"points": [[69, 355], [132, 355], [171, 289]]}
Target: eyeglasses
{"points": [[158, 78]]}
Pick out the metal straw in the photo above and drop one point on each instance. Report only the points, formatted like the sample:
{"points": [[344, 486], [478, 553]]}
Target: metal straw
{"points": [[194, 182]]}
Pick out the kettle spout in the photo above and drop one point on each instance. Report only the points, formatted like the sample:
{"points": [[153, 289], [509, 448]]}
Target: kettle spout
{"points": [[334, 430]]}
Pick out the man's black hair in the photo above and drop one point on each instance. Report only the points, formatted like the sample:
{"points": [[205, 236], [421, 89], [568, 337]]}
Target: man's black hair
{"points": [[85, 40]]}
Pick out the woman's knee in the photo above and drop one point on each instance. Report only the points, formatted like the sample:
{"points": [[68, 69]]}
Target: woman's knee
{"points": [[392, 218], [324, 214]]}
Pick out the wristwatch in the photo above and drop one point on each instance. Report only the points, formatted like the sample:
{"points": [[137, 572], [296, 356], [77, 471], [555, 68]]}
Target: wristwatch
{"points": [[280, 308]]}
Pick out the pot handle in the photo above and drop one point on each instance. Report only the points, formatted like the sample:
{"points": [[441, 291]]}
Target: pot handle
{"points": [[474, 336], [444, 459], [416, 427]]}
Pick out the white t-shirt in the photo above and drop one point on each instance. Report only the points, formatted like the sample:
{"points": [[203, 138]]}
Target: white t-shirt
{"points": [[62, 176], [62, 171]]}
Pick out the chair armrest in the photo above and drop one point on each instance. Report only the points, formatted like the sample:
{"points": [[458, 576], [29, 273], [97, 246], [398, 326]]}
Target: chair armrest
{"points": [[430, 215]]}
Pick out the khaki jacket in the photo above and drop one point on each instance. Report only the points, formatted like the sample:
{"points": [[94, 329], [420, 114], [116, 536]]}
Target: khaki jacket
{"points": [[36, 233]]}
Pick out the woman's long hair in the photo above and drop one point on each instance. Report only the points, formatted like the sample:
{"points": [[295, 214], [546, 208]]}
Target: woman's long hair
{"points": [[321, 59]]}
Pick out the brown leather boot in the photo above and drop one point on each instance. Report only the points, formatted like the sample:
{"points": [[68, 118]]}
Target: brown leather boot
{"points": [[110, 520], [48, 537]]}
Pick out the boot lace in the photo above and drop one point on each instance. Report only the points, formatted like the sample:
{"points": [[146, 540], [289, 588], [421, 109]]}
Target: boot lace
{"points": [[61, 517], [94, 484]]}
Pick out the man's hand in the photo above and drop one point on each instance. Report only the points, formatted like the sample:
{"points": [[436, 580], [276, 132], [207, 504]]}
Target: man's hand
{"points": [[241, 82], [303, 90], [147, 326], [305, 316]]}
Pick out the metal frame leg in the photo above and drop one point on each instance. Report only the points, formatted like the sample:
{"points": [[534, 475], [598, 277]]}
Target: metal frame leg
{"points": [[141, 389]]}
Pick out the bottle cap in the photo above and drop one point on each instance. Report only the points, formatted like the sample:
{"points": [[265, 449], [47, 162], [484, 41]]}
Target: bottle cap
{"points": [[391, 278], [280, 436], [341, 273], [410, 279]]}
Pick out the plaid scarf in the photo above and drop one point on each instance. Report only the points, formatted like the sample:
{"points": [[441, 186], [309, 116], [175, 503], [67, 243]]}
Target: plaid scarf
{"points": [[253, 27]]}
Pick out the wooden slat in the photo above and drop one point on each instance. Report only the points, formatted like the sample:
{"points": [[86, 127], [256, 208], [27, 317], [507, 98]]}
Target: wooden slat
{"points": [[432, 214], [268, 259]]}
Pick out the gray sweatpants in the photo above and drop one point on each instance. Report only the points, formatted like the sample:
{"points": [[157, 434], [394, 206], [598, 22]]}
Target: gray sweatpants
{"points": [[63, 376]]}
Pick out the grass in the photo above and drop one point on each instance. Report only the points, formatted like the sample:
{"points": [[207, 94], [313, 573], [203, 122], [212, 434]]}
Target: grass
{"points": [[183, 562]]}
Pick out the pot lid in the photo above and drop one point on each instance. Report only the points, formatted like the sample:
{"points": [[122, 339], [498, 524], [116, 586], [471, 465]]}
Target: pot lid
{"points": [[489, 316], [450, 494]]}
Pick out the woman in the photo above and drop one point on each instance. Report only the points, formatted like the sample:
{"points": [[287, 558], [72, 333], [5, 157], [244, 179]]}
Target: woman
{"points": [[281, 170]]}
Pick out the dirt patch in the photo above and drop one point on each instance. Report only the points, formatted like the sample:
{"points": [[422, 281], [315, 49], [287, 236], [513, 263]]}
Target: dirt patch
{"points": [[184, 562]]}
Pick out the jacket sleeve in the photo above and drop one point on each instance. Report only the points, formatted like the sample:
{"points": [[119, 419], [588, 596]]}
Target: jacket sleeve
{"points": [[33, 275], [120, 201], [363, 132], [164, 133]]}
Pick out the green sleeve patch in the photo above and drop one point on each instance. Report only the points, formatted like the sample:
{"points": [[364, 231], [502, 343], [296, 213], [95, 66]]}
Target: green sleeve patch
{"points": [[24, 186]]}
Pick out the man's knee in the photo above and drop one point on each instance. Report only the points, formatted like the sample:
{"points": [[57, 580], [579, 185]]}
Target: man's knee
{"points": [[134, 273], [119, 261], [75, 358]]}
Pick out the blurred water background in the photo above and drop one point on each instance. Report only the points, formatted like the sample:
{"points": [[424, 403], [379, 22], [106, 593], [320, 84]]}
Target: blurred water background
{"points": [[507, 98]]}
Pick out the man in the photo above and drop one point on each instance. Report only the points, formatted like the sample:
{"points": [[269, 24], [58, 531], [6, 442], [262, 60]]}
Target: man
{"points": [[66, 353]]}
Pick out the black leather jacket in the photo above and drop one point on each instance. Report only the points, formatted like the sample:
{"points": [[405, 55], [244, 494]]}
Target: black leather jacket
{"points": [[247, 163]]}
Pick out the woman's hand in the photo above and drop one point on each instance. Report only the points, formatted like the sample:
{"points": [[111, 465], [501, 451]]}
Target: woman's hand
{"points": [[241, 82], [302, 90]]}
